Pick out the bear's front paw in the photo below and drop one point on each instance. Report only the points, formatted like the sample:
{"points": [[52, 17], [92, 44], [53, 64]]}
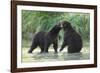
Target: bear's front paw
{"points": [[60, 50], [29, 51], [56, 52]]}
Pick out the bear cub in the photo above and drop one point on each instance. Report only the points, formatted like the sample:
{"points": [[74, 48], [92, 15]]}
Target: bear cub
{"points": [[71, 38], [45, 39]]}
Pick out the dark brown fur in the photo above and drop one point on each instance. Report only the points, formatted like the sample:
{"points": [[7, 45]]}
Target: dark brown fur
{"points": [[71, 38]]}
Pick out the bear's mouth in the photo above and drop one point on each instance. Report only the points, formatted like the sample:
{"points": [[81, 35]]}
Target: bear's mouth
{"points": [[61, 25]]}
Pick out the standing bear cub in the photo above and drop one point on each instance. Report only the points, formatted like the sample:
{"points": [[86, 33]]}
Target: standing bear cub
{"points": [[45, 39], [71, 38]]}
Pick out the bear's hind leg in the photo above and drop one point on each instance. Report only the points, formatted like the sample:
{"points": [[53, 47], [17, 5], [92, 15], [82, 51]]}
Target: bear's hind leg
{"points": [[33, 46], [42, 49], [73, 50]]}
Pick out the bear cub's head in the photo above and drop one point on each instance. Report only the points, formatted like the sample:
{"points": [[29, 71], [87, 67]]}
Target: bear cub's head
{"points": [[65, 24], [57, 26]]}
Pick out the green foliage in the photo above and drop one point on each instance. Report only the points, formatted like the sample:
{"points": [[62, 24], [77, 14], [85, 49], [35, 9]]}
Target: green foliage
{"points": [[35, 21]]}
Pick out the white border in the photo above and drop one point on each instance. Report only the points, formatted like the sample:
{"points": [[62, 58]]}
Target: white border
{"points": [[58, 63]]}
